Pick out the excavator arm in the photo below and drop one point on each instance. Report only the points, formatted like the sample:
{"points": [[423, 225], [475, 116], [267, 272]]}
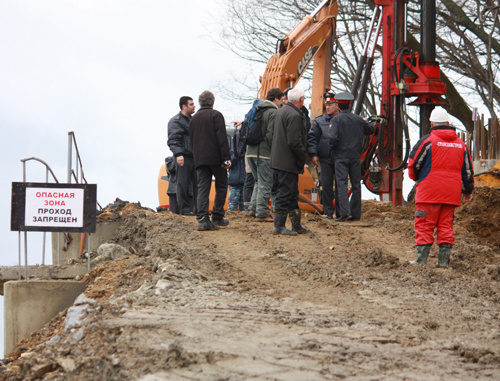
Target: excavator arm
{"points": [[311, 39]]}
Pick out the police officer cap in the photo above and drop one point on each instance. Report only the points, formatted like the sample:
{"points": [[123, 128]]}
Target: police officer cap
{"points": [[344, 97], [329, 97]]}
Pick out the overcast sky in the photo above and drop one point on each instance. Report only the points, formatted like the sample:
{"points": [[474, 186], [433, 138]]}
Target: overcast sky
{"points": [[111, 71]]}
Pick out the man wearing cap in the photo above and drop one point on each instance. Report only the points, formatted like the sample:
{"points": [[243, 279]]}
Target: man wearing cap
{"points": [[348, 132], [441, 165], [318, 147]]}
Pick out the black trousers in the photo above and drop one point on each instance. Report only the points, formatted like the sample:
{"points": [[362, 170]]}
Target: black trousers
{"points": [[287, 195], [186, 180], [327, 195], [351, 168], [205, 173], [248, 187]]}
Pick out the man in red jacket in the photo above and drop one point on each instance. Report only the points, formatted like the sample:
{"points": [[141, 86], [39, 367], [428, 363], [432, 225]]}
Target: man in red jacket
{"points": [[441, 165]]}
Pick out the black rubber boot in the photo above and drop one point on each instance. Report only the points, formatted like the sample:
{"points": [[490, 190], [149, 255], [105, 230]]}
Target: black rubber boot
{"points": [[279, 223], [295, 216], [444, 254], [422, 254]]}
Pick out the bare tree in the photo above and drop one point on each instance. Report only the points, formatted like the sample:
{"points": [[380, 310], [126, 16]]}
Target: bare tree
{"points": [[468, 43]]}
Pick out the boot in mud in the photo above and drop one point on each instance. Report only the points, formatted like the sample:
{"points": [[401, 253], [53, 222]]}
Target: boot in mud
{"points": [[295, 216], [422, 254], [444, 254], [279, 223]]}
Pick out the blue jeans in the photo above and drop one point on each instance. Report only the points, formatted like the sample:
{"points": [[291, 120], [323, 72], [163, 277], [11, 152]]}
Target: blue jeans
{"points": [[263, 174], [235, 198]]}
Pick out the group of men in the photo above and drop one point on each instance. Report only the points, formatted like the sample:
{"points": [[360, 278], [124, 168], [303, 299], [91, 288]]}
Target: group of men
{"points": [[201, 150], [334, 143]]}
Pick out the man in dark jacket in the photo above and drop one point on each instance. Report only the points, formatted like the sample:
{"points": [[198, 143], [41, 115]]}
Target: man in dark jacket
{"points": [[288, 156], [179, 143], [318, 147], [237, 174], [348, 132], [212, 157], [441, 165]]}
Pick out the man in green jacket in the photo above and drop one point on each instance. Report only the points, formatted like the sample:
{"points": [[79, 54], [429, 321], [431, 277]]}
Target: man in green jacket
{"points": [[259, 158]]}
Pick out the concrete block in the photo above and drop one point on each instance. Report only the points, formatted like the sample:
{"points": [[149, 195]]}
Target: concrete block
{"points": [[28, 306], [71, 250]]}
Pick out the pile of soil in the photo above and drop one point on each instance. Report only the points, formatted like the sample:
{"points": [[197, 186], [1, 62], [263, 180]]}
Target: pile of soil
{"points": [[339, 302]]}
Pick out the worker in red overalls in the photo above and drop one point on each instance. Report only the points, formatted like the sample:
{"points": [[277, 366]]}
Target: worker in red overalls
{"points": [[441, 165]]}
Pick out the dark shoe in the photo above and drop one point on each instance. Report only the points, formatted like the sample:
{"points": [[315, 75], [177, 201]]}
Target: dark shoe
{"points": [[279, 223], [268, 218], [422, 254], [444, 254], [344, 219], [328, 216], [220, 221], [295, 216], [206, 224]]}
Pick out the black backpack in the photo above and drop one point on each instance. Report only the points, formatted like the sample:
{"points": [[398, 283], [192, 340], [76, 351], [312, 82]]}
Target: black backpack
{"points": [[254, 136], [247, 125]]}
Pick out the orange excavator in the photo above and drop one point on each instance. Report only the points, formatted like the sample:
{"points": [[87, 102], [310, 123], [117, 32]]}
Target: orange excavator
{"points": [[311, 40]]}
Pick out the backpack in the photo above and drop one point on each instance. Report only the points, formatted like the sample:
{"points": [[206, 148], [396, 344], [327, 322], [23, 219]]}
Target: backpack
{"points": [[238, 148], [249, 121]]}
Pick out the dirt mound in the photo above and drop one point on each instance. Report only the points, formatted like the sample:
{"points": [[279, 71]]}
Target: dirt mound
{"points": [[481, 216], [339, 302]]}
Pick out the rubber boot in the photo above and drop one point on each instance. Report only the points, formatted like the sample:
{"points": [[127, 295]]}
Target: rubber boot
{"points": [[295, 216], [247, 208], [422, 254], [444, 254], [279, 223]]}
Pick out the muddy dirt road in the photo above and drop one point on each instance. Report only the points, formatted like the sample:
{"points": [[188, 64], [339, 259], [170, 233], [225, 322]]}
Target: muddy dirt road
{"points": [[341, 302]]}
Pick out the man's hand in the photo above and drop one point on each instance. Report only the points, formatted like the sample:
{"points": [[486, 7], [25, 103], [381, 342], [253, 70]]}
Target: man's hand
{"points": [[180, 161], [228, 166], [466, 198], [315, 160], [236, 124]]}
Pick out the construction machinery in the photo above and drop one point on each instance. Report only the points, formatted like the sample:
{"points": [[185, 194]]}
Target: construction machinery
{"points": [[405, 74]]}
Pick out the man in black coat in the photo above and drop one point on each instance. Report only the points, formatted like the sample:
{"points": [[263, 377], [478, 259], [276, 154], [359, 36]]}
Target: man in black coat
{"points": [[212, 157], [318, 147], [348, 132], [179, 143], [288, 157]]}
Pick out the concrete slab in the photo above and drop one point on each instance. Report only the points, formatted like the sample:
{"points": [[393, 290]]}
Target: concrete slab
{"points": [[67, 272], [29, 305]]}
